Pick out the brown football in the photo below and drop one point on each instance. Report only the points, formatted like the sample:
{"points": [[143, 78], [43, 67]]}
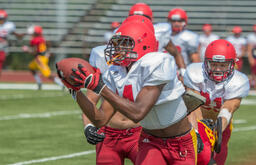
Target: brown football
{"points": [[64, 68]]}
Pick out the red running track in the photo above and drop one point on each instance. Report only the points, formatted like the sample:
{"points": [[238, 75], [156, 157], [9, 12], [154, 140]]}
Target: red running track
{"points": [[20, 77]]}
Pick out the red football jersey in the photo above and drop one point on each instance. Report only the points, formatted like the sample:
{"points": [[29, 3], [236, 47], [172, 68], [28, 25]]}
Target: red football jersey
{"points": [[40, 44]]}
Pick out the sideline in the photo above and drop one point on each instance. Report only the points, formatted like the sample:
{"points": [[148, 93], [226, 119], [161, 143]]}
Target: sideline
{"points": [[55, 158]]}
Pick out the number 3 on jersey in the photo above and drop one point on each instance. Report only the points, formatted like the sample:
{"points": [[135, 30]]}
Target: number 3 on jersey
{"points": [[211, 104]]}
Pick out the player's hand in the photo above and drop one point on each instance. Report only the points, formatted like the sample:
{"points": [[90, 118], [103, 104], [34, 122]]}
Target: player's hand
{"points": [[84, 79], [92, 136], [25, 48]]}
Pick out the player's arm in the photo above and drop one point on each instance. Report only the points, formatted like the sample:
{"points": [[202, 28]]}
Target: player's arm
{"points": [[30, 49], [135, 111], [249, 53], [138, 109], [98, 116], [18, 35], [171, 48], [195, 57], [227, 111]]}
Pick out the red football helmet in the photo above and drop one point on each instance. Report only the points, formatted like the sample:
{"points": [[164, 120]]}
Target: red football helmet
{"points": [[207, 27], [3, 14], [131, 41], [38, 30], [219, 61], [115, 25], [237, 29], [254, 28], [140, 18], [178, 14], [141, 9]]}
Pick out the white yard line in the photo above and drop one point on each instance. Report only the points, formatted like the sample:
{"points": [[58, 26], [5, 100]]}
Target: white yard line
{"points": [[248, 102], [250, 128], [30, 86], [55, 158], [22, 96], [39, 115], [239, 121]]}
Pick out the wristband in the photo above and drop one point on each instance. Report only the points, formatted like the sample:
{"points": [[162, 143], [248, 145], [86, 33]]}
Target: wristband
{"points": [[90, 124], [224, 112], [182, 71]]}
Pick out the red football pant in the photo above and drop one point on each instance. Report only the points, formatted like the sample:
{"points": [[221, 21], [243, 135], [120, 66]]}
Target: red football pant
{"points": [[181, 150], [117, 145], [2, 59], [221, 157]]}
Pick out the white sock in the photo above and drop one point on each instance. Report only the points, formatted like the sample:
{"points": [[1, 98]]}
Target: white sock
{"points": [[58, 81], [38, 79]]}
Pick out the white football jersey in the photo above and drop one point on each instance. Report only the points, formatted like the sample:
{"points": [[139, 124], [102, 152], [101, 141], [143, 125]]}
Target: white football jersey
{"points": [[152, 69], [5, 30], [204, 41], [215, 93], [163, 33], [238, 43], [97, 58], [251, 39], [187, 43]]}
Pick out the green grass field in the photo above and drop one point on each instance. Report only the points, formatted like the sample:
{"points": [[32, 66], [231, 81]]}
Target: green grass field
{"points": [[46, 126]]}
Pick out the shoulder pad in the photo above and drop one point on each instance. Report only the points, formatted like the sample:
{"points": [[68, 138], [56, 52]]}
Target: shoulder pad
{"points": [[195, 72], [162, 27], [188, 35], [237, 86]]}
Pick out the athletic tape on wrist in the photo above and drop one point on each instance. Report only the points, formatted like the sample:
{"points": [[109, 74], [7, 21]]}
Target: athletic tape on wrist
{"points": [[182, 71], [90, 124], [224, 112]]}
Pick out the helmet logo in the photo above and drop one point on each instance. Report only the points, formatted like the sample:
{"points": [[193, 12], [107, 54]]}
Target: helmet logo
{"points": [[138, 12], [176, 17], [219, 58]]}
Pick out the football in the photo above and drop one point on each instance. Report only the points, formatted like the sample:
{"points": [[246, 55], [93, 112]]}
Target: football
{"points": [[64, 68]]}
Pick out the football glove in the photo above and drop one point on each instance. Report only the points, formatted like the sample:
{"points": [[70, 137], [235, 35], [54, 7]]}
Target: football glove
{"points": [[92, 135], [84, 79], [218, 135]]}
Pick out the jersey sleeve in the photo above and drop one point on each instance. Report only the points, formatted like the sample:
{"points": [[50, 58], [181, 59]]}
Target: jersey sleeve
{"points": [[160, 69], [193, 43], [163, 33], [92, 58], [238, 87], [106, 76], [11, 27], [193, 76], [97, 58]]}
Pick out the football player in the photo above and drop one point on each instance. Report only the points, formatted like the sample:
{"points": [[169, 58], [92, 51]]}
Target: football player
{"points": [[6, 28], [223, 87], [118, 124], [185, 40], [162, 34], [239, 43], [206, 38], [251, 51], [140, 86], [38, 49]]}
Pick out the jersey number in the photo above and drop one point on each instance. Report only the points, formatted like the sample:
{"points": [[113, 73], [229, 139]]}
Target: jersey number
{"points": [[211, 104], [128, 92]]}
